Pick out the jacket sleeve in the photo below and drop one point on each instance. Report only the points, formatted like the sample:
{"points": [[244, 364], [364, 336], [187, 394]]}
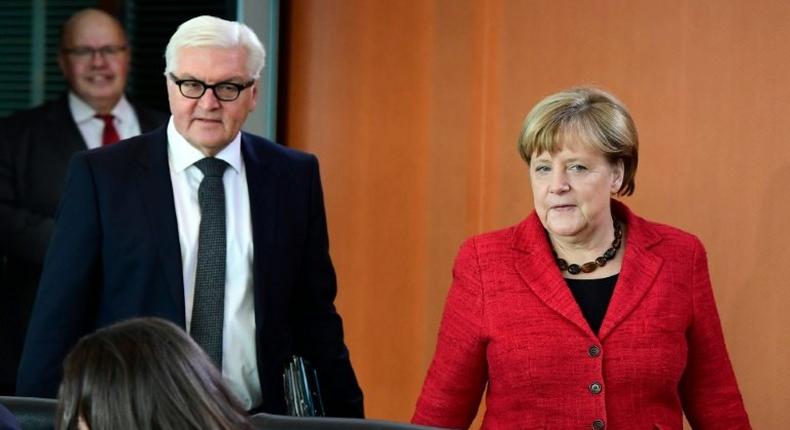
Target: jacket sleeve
{"points": [[318, 326], [708, 389], [65, 303], [7, 420], [458, 374], [25, 233]]}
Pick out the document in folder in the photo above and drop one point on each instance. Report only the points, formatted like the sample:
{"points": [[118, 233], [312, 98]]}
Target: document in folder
{"points": [[302, 392]]}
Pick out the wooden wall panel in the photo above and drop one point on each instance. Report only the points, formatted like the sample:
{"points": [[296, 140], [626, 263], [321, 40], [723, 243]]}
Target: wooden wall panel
{"points": [[358, 98], [414, 107]]}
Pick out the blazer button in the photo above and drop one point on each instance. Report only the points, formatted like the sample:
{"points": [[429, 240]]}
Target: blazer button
{"points": [[595, 388], [598, 425], [594, 351]]}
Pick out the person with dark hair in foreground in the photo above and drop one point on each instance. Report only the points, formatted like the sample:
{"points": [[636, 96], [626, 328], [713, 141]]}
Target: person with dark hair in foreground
{"points": [[144, 374], [7, 420], [584, 315]]}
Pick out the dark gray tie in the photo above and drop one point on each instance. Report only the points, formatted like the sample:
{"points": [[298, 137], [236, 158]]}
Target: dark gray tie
{"points": [[208, 307]]}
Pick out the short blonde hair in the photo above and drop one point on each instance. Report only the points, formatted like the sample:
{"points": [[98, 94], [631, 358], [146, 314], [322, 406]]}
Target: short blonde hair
{"points": [[586, 112]]}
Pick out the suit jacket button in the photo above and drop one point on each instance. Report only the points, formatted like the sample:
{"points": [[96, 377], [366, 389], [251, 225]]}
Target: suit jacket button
{"points": [[598, 425], [596, 388], [594, 351]]}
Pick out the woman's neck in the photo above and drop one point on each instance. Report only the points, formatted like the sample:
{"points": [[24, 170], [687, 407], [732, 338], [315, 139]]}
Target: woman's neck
{"points": [[585, 246], [581, 249]]}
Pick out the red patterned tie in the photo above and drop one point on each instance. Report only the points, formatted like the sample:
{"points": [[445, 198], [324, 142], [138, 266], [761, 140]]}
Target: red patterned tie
{"points": [[110, 134]]}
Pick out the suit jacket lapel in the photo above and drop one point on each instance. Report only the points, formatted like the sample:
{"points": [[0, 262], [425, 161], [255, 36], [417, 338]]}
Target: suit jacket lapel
{"points": [[64, 136], [261, 185], [537, 268], [148, 119], [157, 191], [639, 270]]}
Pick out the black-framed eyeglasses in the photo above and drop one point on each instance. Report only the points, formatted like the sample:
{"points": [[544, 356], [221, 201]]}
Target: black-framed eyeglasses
{"points": [[87, 52], [225, 91]]}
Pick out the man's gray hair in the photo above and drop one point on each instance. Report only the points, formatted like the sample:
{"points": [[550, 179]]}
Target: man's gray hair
{"points": [[211, 31]]}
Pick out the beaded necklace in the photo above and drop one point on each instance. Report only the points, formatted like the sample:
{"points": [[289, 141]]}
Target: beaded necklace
{"points": [[575, 269]]}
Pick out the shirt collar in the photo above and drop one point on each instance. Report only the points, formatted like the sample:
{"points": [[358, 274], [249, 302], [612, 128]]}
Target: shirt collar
{"points": [[182, 154], [82, 112]]}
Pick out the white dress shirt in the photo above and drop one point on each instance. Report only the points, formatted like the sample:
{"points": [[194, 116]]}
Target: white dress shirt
{"points": [[91, 128], [239, 364]]}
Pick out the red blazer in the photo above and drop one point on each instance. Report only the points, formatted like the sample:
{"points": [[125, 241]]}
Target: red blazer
{"points": [[511, 322]]}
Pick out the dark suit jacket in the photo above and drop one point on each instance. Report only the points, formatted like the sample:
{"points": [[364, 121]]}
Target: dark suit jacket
{"points": [[35, 148], [512, 327], [7, 420], [115, 255]]}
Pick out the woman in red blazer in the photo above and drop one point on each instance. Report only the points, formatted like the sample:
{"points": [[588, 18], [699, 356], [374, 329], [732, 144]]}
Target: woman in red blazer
{"points": [[584, 315]]}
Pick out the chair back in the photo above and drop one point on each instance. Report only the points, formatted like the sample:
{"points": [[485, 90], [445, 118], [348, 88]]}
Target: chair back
{"points": [[39, 414], [282, 422], [32, 413]]}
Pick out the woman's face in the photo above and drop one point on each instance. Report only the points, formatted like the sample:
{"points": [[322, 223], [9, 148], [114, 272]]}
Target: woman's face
{"points": [[571, 189]]}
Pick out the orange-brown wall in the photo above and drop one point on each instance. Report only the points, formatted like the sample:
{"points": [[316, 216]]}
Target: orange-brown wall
{"points": [[413, 108]]}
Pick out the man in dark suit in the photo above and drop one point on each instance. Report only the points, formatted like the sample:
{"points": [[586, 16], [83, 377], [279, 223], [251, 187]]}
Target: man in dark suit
{"points": [[35, 147], [217, 230]]}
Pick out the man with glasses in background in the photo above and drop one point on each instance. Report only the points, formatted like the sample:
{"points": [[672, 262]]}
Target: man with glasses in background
{"points": [[35, 147], [220, 231]]}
